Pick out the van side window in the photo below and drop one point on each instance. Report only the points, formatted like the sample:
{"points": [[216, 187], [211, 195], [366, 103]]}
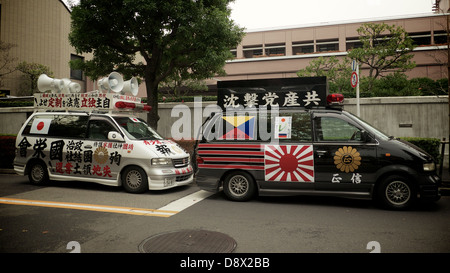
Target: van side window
{"points": [[336, 129], [301, 126], [99, 129], [64, 126]]}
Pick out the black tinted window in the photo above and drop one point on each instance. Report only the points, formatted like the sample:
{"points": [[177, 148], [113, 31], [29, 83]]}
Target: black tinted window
{"points": [[99, 129], [64, 126]]}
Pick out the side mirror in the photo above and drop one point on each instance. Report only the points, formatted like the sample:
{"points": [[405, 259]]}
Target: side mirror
{"points": [[365, 137], [113, 135]]}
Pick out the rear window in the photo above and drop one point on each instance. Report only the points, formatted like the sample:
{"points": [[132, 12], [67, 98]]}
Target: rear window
{"points": [[61, 126]]}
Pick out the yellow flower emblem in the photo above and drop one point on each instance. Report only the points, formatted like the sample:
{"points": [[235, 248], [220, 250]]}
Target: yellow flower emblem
{"points": [[347, 159], [101, 155]]}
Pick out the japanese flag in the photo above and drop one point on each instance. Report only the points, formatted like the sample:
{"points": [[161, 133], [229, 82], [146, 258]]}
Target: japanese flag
{"points": [[40, 126]]}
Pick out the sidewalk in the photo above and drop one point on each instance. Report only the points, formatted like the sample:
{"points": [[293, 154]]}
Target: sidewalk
{"points": [[445, 186]]}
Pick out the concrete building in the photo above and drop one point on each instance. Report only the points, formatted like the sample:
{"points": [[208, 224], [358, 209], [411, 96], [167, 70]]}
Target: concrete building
{"points": [[40, 30], [275, 53]]}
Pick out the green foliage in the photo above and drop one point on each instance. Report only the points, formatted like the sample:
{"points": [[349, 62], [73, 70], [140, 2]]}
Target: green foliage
{"points": [[188, 38], [385, 48], [397, 84], [337, 72], [386, 53], [16, 103], [7, 150], [429, 145], [32, 72]]}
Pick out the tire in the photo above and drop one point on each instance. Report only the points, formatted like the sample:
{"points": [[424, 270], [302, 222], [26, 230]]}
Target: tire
{"points": [[38, 174], [239, 186], [134, 180], [396, 192]]}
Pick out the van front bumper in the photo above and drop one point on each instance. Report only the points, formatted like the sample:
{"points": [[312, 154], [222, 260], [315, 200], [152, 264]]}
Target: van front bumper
{"points": [[167, 182], [429, 187]]}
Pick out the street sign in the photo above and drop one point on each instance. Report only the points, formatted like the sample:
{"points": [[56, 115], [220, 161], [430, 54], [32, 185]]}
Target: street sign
{"points": [[354, 79], [354, 65]]}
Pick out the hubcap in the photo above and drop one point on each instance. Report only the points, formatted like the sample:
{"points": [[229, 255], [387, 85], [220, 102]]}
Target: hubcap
{"points": [[134, 179], [398, 192], [238, 185], [37, 173]]}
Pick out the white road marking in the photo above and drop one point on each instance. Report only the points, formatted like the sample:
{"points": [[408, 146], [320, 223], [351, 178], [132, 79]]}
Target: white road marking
{"points": [[187, 201]]}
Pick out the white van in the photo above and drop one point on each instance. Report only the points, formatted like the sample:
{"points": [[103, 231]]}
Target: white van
{"points": [[84, 137]]}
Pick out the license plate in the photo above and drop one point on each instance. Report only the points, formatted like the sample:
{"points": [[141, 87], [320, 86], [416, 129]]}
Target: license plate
{"points": [[169, 182]]}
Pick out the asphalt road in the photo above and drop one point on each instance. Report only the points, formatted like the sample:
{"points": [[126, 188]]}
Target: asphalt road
{"points": [[297, 224]]}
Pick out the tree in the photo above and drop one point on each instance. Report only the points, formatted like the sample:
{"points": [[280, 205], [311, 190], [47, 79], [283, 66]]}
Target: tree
{"points": [[32, 72], [178, 86], [338, 73], [192, 37], [6, 61], [384, 48]]}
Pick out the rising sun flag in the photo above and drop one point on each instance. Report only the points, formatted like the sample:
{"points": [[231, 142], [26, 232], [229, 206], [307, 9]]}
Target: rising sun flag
{"points": [[289, 163]]}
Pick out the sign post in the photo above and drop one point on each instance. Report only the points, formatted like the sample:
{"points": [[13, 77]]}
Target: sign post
{"points": [[355, 83]]}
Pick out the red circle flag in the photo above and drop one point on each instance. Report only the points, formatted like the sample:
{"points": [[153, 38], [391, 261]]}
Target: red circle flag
{"points": [[40, 125]]}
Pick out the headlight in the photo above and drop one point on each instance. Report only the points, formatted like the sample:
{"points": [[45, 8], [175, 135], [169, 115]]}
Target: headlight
{"points": [[428, 167], [161, 161]]}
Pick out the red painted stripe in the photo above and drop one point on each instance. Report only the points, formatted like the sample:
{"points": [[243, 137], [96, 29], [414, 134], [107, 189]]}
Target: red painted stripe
{"points": [[228, 146], [232, 159], [216, 152], [242, 167]]}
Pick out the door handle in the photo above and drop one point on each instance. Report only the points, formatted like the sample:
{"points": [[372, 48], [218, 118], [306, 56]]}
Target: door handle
{"points": [[320, 153]]}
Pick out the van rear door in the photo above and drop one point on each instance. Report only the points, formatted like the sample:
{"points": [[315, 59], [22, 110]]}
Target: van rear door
{"points": [[343, 159]]}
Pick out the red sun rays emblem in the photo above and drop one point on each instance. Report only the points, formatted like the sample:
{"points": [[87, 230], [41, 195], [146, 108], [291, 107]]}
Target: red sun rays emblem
{"points": [[289, 163]]}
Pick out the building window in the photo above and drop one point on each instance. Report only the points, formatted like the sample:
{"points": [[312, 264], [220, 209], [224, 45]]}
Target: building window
{"points": [[76, 74], [275, 49], [234, 53], [440, 37], [302, 47], [421, 38], [327, 45], [253, 51], [352, 43]]}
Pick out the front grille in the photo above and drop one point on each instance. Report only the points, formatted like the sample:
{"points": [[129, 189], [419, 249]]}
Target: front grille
{"points": [[183, 177], [180, 162]]}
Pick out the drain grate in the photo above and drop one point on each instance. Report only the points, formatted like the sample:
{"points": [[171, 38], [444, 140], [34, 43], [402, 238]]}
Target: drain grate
{"points": [[189, 241]]}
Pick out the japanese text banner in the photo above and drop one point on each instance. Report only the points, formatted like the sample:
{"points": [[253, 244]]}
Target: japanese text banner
{"points": [[286, 92]]}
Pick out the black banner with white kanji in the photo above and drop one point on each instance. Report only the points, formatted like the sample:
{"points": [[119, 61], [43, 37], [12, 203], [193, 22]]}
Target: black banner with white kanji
{"points": [[285, 92]]}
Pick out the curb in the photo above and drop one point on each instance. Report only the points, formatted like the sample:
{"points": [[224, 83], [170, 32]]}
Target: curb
{"points": [[7, 171]]}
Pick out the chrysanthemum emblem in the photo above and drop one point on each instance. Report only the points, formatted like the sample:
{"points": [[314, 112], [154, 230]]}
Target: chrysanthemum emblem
{"points": [[347, 159], [101, 155]]}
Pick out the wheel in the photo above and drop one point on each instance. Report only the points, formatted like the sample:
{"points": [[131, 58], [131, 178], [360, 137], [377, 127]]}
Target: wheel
{"points": [[239, 186], [395, 192], [38, 174], [134, 180]]}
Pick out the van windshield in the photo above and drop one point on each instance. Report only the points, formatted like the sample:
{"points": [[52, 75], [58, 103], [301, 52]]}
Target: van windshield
{"points": [[372, 129], [136, 128]]}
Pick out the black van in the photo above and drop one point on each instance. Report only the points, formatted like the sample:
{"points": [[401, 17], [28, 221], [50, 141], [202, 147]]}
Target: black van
{"points": [[289, 137]]}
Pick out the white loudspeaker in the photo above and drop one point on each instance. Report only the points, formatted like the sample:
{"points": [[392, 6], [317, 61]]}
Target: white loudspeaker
{"points": [[114, 82], [131, 86], [74, 87], [71, 87], [46, 83]]}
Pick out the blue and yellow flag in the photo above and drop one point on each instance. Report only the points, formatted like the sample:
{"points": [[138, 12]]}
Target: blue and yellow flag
{"points": [[239, 127]]}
